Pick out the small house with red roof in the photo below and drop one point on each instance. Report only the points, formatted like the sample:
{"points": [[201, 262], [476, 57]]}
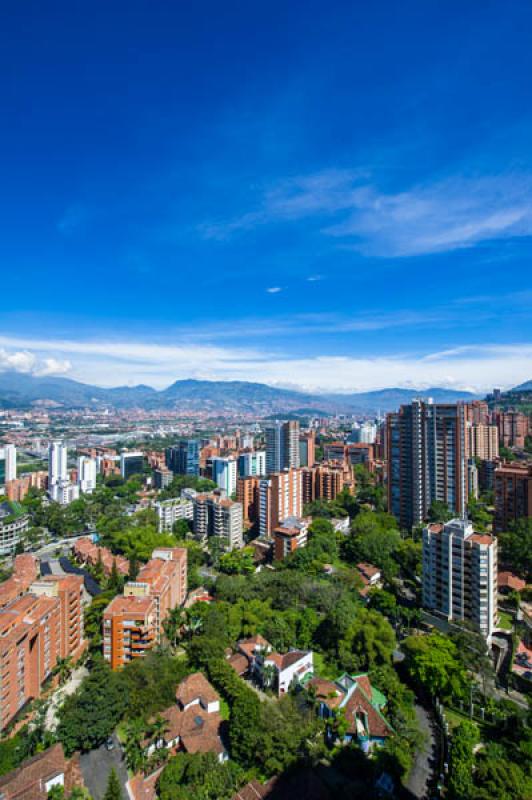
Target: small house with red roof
{"points": [[361, 703]]}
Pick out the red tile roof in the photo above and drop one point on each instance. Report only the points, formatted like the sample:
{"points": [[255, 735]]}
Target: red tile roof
{"points": [[196, 687], [28, 781], [507, 580]]}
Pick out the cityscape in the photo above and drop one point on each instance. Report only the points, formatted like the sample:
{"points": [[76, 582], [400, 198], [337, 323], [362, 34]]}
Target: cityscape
{"points": [[266, 402]]}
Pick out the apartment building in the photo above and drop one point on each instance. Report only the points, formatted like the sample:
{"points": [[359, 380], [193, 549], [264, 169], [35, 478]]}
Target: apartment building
{"points": [[184, 457], [289, 536], [69, 590], [216, 515], [513, 494], [513, 427], [307, 449], [252, 464], [280, 496], [25, 571], [247, 494], [88, 552], [321, 483], [482, 441], [36, 630], [224, 472], [426, 460], [16, 490], [129, 629], [133, 622], [460, 574], [282, 446], [170, 511]]}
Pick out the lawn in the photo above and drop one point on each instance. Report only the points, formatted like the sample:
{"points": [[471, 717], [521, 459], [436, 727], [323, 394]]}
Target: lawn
{"points": [[505, 621]]}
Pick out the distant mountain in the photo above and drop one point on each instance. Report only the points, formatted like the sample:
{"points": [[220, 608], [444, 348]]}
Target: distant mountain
{"points": [[523, 387], [18, 390]]}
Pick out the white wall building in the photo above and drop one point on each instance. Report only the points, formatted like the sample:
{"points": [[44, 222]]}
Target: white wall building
{"points": [[460, 574], [86, 474], [169, 511], [8, 454], [57, 464], [252, 464]]}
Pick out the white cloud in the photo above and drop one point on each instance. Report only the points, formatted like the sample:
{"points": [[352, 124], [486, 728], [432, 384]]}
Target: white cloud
{"points": [[460, 211], [26, 362], [114, 363], [274, 289]]}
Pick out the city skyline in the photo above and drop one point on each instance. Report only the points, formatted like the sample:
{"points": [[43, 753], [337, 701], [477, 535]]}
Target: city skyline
{"points": [[319, 198]]}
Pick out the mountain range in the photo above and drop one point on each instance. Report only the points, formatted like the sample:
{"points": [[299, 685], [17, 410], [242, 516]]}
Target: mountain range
{"points": [[18, 390]]}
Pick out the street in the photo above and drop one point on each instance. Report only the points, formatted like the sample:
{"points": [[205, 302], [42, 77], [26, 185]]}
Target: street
{"points": [[425, 761], [96, 766]]}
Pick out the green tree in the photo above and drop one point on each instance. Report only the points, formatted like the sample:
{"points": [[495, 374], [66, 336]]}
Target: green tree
{"points": [[113, 790], [460, 785], [238, 562], [89, 716], [369, 642], [516, 547], [433, 661], [439, 512]]}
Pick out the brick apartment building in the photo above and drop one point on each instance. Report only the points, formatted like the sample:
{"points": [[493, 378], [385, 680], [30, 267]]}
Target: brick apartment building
{"points": [[482, 441], [17, 489], [248, 495], [88, 552], [37, 628], [281, 496], [513, 494], [133, 622], [513, 427], [321, 483]]}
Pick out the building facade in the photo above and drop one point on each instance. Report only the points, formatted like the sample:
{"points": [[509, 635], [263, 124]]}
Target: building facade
{"points": [[513, 494], [184, 457], [460, 574], [280, 496], [282, 446], [252, 464], [224, 472], [426, 460]]}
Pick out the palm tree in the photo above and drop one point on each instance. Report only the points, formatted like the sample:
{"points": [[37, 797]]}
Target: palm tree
{"points": [[173, 625], [135, 733], [158, 728], [64, 669]]}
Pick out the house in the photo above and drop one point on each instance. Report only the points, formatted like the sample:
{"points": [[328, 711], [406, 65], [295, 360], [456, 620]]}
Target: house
{"points": [[508, 582], [38, 775], [271, 668], [193, 724], [359, 702], [370, 577]]}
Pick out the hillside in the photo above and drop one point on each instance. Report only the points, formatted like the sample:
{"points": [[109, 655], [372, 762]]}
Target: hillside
{"points": [[17, 390]]}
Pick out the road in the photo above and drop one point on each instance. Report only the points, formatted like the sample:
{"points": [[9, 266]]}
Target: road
{"points": [[96, 766], [426, 757]]}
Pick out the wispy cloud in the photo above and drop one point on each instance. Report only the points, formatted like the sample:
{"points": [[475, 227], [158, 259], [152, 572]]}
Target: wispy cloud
{"points": [[437, 216], [274, 289], [111, 363]]}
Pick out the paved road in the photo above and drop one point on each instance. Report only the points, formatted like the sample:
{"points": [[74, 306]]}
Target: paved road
{"points": [[96, 766], [426, 756]]}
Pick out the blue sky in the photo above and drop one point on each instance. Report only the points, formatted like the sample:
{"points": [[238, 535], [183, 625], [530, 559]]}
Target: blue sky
{"points": [[326, 195]]}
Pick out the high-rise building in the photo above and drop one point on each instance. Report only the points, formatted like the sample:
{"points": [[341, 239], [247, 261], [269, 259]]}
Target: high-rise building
{"points": [[514, 427], [460, 574], [217, 516], [57, 464], [280, 496], [307, 449], [482, 441], [184, 457], [282, 446], [513, 494], [252, 464], [426, 460], [224, 474], [247, 494], [477, 412], [86, 474], [8, 463], [131, 463], [321, 483], [364, 434], [37, 628]]}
